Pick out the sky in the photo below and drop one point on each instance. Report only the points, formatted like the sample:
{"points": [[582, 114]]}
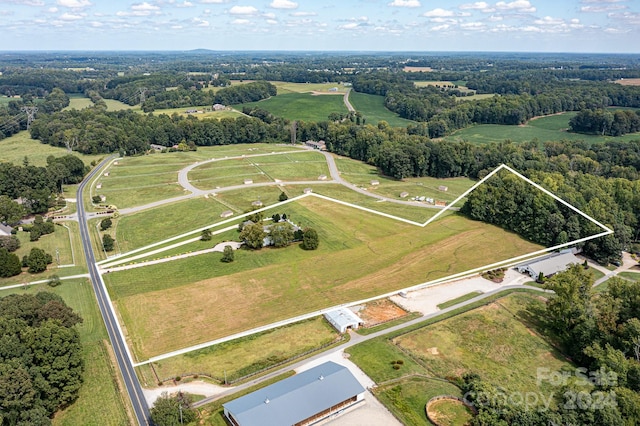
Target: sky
{"points": [[329, 25]]}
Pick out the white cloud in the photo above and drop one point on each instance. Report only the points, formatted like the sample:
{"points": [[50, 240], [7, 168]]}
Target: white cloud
{"points": [[96, 24], [297, 14], [200, 22], [52, 10], [479, 5], [548, 20], [283, 4], [272, 22], [241, 22], [604, 8], [438, 13], [75, 4], [349, 26], [213, 1], [520, 6], [472, 26], [495, 18], [269, 15], [405, 3], [442, 27], [185, 3], [70, 17], [243, 10], [144, 7]]}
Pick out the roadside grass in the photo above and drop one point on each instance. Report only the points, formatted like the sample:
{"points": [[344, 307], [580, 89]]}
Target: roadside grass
{"points": [[140, 229], [100, 400], [631, 276], [458, 300], [286, 87], [300, 106], [259, 288], [238, 358], [407, 398], [549, 128], [373, 110], [15, 148]]}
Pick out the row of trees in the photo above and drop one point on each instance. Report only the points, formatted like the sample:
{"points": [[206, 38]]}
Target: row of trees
{"points": [[40, 358], [606, 122], [35, 262]]}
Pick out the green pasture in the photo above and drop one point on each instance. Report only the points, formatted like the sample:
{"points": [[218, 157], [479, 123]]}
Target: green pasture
{"points": [[239, 200], [549, 128], [300, 106], [373, 109], [49, 243], [248, 355], [15, 148], [285, 87], [631, 276], [115, 105], [79, 102], [100, 400], [358, 253], [221, 174], [204, 112]]}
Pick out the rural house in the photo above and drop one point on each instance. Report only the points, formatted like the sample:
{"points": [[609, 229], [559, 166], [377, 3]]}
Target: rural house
{"points": [[548, 265], [300, 400], [5, 230]]}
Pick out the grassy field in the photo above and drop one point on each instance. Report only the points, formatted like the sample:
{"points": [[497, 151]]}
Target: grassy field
{"points": [[460, 299], [549, 128], [100, 401], [79, 102], [296, 166], [285, 87], [249, 355], [631, 276], [450, 412], [497, 341], [114, 105], [300, 106], [262, 287], [13, 150], [49, 243], [373, 109], [204, 112], [4, 100]]}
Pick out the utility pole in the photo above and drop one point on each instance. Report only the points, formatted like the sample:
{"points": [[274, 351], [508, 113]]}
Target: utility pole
{"points": [[31, 114], [142, 91]]}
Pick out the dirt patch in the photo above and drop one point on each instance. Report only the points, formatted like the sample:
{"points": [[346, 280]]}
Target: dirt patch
{"points": [[380, 311], [629, 81]]}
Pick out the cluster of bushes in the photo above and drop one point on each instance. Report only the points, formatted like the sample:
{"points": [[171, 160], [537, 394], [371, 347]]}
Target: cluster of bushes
{"points": [[39, 228]]}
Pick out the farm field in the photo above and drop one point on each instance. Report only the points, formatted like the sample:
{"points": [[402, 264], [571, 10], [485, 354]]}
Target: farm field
{"points": [[549, 128], [476, 341], [13, 150], [205, 112], [262, 287], [100, 400], [238, 358], [300, 106], [285, 87], [296, 166], [373, 109]]}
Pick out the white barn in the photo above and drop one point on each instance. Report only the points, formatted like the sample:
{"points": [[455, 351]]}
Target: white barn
{"points": [[343, 319]]}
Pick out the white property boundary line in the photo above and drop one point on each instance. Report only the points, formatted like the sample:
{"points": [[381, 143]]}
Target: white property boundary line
{"points": [[511, 261]]}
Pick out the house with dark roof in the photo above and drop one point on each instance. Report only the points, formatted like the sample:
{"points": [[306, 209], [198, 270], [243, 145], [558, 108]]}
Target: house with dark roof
{"points": [[300, 400]]}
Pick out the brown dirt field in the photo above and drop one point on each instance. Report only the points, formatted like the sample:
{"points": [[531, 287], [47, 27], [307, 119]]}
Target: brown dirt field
{"points": [[629, 81], [380, 311], [417, 69]]}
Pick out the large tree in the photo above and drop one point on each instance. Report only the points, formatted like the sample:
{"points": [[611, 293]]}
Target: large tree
{"points": [[253, 235], [310, 240], [281, 234], [10, 211], [37, 260], [171, 410]]}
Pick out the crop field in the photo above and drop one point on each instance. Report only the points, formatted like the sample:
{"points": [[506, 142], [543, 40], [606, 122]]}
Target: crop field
{"points": [[261, 287], [13, 150], [549, 128], [100, 400], [286, 87], [373, 109], [244, 356], [296, 166], [300, 106]]}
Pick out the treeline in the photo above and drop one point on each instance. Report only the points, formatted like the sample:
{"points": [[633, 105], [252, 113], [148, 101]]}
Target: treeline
{"points": [[40, 358], [13, 119], [36, 187], [231, 95], [605, 122]]}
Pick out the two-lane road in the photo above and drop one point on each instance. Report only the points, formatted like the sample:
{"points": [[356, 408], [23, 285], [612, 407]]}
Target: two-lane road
{"points": [[131, 383]]}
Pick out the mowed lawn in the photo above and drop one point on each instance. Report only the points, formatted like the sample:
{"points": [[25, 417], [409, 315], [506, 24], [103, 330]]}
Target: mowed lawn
{"points": [[300, 106], [100, 400], [15, 148], [549, 128], [373, 109], [361, 255]]}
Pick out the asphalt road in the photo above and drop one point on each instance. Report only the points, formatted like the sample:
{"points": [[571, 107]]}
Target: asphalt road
{"points": [[134, 390]]}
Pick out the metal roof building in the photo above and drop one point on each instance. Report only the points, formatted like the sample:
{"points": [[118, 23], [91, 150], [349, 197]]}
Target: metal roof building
{"points": [[303, 399], [549, 265], [343, 319]]}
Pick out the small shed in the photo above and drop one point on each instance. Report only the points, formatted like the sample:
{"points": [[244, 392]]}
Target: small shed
{"points": [[106, 173], [441, 203], [248, 181], [103, 198], [226, 213], [257, 203], [443, 188], [307, 190], [99, 186], [404, 194], [322, 177], [375, 182], [343, 319]]}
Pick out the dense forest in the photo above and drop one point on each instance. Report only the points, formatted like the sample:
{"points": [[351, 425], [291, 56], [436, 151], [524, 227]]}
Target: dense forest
{"points": [[40, 358]]}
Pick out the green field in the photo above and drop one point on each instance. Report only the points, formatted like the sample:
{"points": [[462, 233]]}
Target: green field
{"points": [[100, 401], [549, 128], [204, 112], [259, 288], [59, 241], [300, 106], [4, 100], [631, 276], [114, 105], [79, 101], [285, 87], [495, 341], [373, 109], [13, 150], [248, 355]]}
